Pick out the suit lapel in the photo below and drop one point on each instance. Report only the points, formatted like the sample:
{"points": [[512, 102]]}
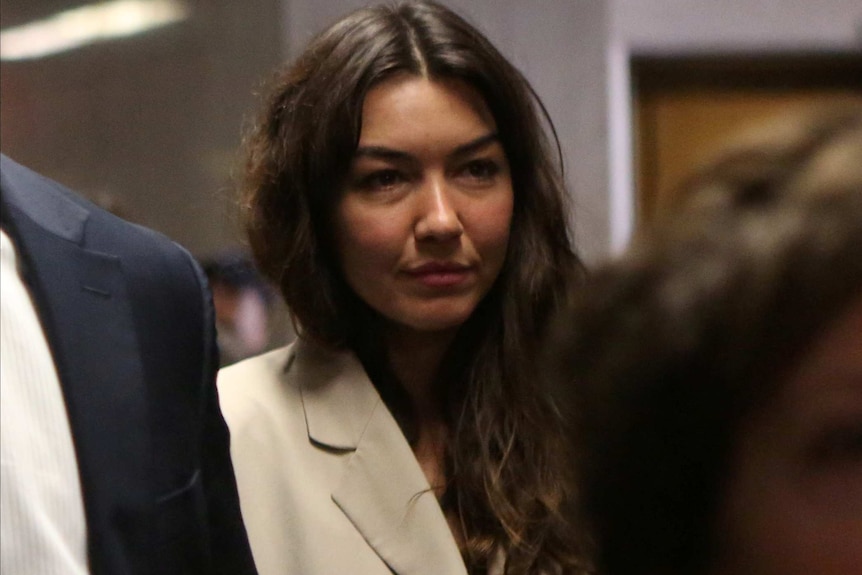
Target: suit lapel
{"points": [[87, 318], [383, 492], [387, 497]]}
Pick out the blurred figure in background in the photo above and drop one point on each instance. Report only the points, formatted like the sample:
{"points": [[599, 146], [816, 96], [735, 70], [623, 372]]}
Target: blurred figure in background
{"points": [[243, 306], [713, 374]]}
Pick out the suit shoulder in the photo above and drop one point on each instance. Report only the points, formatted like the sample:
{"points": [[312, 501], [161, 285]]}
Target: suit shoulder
{"points": [[247, 377], [131, 237], [250, 389], [64, 212]]}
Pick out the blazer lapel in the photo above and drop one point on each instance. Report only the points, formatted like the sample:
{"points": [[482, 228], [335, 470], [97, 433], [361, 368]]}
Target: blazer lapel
{"points": [[85, 312], [384, 492]]}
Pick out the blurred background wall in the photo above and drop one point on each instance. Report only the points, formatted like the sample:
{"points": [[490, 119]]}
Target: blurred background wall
{"points": [[150, 124]]}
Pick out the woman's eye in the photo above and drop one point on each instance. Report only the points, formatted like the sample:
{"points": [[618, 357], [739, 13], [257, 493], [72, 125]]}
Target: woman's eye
{"points": [[381, 180], [481, 170]]}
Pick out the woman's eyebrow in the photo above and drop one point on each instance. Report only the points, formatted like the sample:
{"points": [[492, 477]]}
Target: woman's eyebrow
{"points": [[381, 152], [391, 154], [475, 145]]}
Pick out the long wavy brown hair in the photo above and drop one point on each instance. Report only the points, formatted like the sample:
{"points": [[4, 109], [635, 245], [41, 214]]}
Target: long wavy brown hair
{"points": [[504, 454]]}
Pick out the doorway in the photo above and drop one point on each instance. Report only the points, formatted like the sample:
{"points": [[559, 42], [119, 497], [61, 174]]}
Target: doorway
{"points": [[685, 107]]}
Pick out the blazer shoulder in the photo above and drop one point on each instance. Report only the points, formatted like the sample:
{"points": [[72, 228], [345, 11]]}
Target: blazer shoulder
{"points": [[111, 234], [251, 387], [268, 365], [67, 214]]}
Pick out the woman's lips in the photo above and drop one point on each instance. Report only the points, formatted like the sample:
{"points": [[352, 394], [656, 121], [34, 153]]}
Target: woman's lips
{"points": [[440, 275]]}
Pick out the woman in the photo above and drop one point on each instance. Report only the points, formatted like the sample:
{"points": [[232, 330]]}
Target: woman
{"points": [[715, 371], [401, 192]]}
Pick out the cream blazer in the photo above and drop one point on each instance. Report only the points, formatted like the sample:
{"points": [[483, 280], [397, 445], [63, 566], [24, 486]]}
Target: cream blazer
{"points": [[328, 484]]}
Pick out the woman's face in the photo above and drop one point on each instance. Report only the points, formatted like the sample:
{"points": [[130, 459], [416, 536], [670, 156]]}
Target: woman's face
{"points": [[794, 501], [422, 225]]}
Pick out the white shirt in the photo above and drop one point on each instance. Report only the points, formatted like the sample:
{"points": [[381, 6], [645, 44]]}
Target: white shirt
{"points": [[42, 524]]}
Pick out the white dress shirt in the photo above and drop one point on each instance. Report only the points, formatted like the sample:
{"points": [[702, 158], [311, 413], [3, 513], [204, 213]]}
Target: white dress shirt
{"points": [[42, 525]]}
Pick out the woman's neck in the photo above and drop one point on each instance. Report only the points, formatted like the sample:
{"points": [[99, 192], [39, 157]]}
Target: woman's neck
{"points": [[415, 359]]}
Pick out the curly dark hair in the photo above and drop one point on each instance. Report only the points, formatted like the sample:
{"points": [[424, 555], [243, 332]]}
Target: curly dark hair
{"points": [[672, 346], [503, 457]]}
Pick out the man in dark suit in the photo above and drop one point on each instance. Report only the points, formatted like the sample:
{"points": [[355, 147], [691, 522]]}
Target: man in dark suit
{"points": [[148, 485]]}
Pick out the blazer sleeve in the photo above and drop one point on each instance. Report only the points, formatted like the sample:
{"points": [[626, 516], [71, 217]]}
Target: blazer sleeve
{"points": [[228, 542]]}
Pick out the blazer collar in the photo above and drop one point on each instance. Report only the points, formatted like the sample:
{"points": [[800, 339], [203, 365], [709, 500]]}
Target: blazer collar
{"points": [[49, 209], [383, 492], [337, 396]]}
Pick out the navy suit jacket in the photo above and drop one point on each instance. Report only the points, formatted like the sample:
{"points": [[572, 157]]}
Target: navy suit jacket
{"points": [[129, 322]]}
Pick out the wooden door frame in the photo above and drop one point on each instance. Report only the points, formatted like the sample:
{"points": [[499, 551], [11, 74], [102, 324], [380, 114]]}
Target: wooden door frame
{"points": [[653, 76]]}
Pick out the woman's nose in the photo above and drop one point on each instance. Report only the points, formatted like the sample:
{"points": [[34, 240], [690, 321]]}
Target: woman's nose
{"points": [[438, 218]]}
